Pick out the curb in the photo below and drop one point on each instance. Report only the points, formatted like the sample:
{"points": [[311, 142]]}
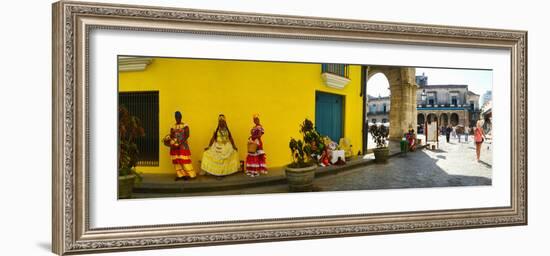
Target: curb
{"points": [[221, 185]]}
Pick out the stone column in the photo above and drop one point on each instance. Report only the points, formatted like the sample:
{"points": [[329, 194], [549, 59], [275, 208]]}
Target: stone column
{"points": [[403, 98], [396, 101]]}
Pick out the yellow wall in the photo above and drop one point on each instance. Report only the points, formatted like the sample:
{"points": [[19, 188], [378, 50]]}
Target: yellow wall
{"points": [[282, 93]]}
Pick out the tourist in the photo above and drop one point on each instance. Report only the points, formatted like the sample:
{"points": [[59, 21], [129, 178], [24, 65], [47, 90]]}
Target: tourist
{"points": [[448, 133], [221, 157], [466, 133], [479, 137], [179, 149], [255, 159], [454, 132]]}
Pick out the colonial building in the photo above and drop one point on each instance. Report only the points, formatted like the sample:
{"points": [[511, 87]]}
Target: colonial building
{"points": [[282, 93], [378, 110], [449, 104]]}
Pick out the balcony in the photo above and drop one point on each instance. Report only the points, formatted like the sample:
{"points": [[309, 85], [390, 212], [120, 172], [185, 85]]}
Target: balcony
{"points": [[335, 75], [442, 106], [378, 113]]}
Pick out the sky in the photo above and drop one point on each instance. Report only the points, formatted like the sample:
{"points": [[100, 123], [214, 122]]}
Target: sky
{"points": [[478, 81]]}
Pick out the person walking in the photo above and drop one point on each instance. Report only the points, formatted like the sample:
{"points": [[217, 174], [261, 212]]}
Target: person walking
{"points": [[448, 133], [479, 137], [454, 132], [466, 133]]}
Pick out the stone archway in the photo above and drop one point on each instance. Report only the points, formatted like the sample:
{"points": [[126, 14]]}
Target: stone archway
{"points": [[454, 119], [403, 88], [420, 119], [431, 118], [444, 119]]}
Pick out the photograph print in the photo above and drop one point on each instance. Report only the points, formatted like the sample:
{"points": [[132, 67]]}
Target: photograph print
{"points": [[210, 127]]}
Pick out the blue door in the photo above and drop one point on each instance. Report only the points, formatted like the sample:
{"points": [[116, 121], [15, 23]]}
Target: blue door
{"points": [[328, 115]]}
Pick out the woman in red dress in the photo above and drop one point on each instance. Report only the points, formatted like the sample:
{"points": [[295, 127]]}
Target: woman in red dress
{"points": [[179, 149], [255, 160]]}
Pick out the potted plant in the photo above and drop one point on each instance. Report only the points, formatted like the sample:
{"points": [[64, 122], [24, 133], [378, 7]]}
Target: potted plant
{"points": [[301, 172], [129, 128], [379, 134]]}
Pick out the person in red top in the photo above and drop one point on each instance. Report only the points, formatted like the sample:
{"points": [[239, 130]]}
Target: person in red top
{"points": [[479, 137]]}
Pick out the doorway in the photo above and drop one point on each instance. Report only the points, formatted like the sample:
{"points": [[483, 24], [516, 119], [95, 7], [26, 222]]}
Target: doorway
{"points": [[329, 115]]}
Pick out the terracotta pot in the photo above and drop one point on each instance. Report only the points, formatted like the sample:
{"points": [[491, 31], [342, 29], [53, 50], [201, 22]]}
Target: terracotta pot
{"points": [[300, 179], [381, 154], [125, 186]]}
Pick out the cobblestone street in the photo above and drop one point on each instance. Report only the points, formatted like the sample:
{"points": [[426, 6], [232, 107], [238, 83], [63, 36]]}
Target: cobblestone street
{"points": [[452, 164]]}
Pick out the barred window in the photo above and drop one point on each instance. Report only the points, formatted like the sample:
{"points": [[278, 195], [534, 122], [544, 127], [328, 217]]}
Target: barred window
{"points": [[145, 106], [337, 69]]}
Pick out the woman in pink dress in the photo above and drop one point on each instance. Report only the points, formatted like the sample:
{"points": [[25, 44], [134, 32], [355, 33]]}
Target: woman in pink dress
{"points": [[479, 137]]}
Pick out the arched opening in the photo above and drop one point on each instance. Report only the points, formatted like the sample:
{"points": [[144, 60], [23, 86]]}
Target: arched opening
{"points": [[379, 103], [444, 118], [454, 119], [432, 118], [420, 123], [420, 119]]}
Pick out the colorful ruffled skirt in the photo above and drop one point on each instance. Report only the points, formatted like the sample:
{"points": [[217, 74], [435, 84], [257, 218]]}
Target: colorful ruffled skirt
{"points": [[181, 159], [255, 163]]}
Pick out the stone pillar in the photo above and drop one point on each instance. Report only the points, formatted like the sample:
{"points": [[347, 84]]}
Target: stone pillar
{"points": [[403, 98], [467, 118], [396, 101], [462, 118]]}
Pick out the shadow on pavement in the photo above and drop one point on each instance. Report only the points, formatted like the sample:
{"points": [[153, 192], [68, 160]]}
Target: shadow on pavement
{"points": [[416, 170]]}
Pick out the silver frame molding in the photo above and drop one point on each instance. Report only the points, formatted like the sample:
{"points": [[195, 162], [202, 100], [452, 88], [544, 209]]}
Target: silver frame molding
{"points": [[72, 22]]}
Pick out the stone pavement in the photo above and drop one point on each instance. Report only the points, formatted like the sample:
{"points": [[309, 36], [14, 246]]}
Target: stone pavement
{"points": [[452, 164]]}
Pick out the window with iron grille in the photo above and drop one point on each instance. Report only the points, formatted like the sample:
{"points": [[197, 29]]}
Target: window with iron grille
{"points": [[145, 106], [337, 69]]}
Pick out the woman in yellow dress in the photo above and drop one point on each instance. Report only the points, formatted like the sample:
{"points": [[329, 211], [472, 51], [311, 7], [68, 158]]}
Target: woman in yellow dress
{"points": [[221, 157]]}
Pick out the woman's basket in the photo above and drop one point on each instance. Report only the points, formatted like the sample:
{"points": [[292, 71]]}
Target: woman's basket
{"points": [[252, 147], [166, 140]]}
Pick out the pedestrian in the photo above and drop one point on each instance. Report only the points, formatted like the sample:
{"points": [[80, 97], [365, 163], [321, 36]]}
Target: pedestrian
{"points": [[458, 133], [466, 133], [479, 137], [448, 133], [454, 132]]}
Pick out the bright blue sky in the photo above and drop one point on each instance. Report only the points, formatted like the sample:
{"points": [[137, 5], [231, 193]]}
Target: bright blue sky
{"points": [[478, 81]]}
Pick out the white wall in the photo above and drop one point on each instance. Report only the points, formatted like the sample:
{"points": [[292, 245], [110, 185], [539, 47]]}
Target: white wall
{"points": [[26, 116]]}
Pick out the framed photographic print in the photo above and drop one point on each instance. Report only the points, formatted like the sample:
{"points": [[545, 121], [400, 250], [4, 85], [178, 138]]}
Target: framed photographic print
{"points": [[179, 127]]}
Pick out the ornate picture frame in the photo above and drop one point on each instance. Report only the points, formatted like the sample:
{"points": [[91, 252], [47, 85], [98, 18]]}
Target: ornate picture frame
{"points": [[72, 24]]}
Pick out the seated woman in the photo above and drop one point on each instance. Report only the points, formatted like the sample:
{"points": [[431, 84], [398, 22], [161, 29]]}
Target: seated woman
{"points": [[411, 139], [221, 157]]}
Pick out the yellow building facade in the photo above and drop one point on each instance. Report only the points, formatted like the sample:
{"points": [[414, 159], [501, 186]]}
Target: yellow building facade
{"points": [[283, 94]]}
